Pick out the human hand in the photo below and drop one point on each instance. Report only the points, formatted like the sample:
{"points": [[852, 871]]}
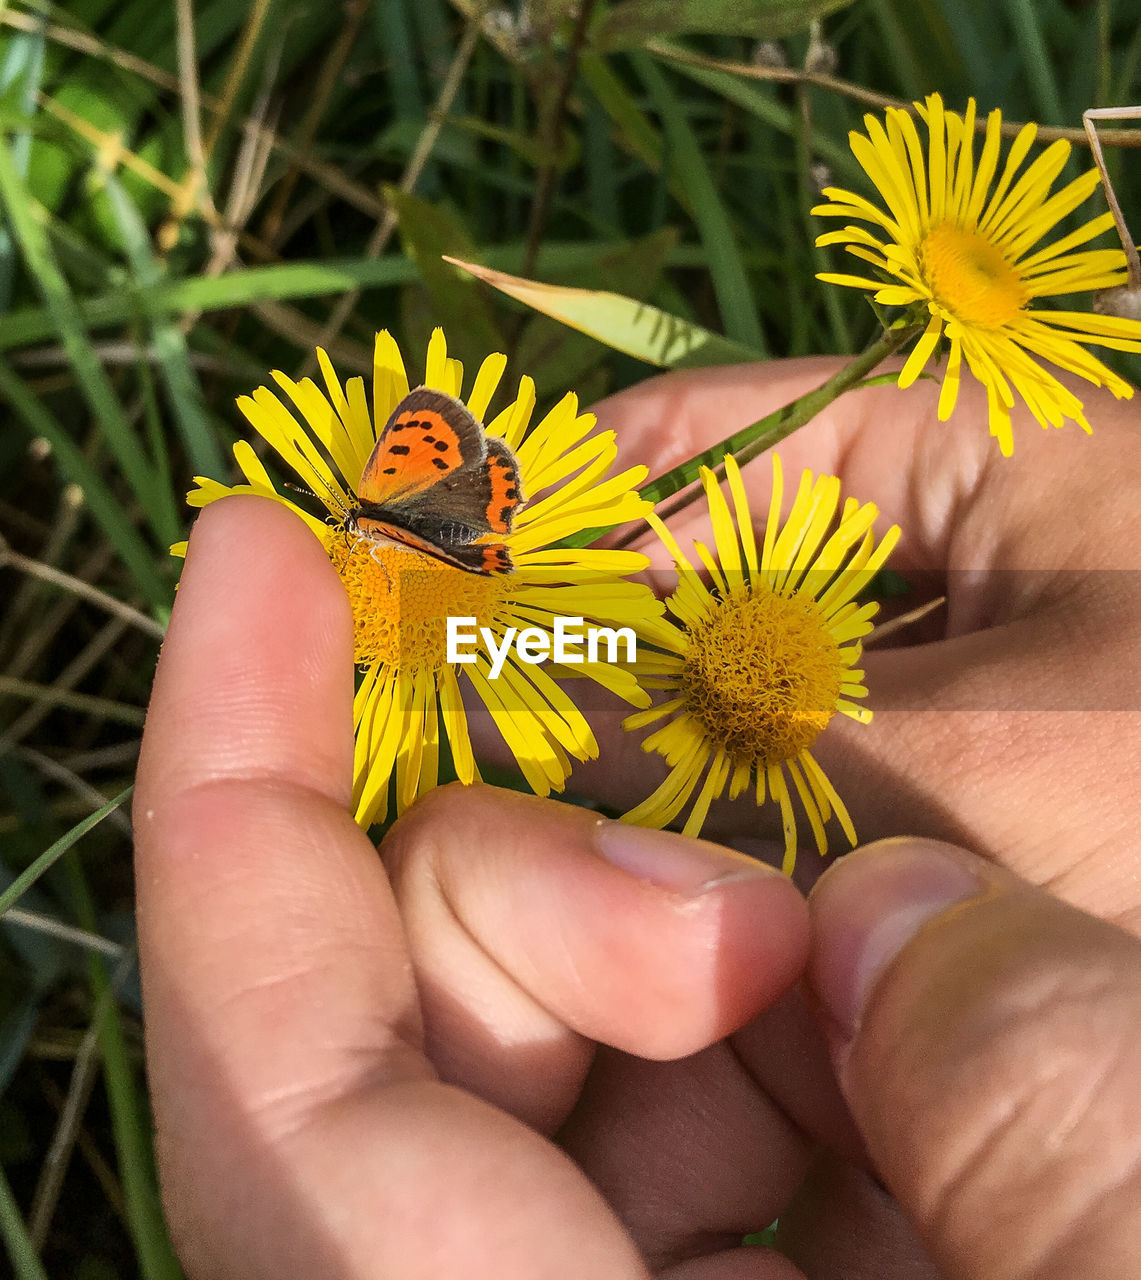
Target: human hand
{"points": [[278, 1123], [355, 1078], [1010, 721], [1015, 731]]}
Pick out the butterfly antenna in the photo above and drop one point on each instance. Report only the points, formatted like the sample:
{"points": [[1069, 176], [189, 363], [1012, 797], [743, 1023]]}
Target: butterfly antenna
{"points": [[331, 498], [335, 501]]}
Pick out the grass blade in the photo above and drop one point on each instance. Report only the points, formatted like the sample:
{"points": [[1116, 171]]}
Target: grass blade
{"points": [[730, 279], [92, 378], [28, 877], [133, 1145], [104, 507], [235, 289], [23, 59], [185, 395], [1025, 18], [25, 1264]]}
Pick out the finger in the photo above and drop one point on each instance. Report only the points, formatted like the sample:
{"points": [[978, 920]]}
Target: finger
{"points": [[752, 1263], [273, 970], [843, 1225], [730, 1131], [248, 750], [300, 1129], [537, 928], [692, 1155], [987, 1040]]}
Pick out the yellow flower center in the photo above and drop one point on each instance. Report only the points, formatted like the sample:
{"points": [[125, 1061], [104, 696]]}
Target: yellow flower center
{"points": [[969, 276], [762, 675], [401, 601]]}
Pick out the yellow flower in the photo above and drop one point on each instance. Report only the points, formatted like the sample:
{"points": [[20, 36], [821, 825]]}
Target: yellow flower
{"points": [[766, 657], [401, 599], [964, 249]]}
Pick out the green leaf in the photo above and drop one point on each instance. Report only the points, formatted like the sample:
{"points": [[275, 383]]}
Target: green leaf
{"points": [[556, 356], [636, 22], [625, 324]]}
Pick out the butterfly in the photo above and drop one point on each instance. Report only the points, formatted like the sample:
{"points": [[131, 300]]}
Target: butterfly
{"points": [[436, 484]]}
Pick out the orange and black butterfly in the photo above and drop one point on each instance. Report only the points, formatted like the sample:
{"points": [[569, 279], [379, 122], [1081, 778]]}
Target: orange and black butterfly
{"points": [[435, 483]]}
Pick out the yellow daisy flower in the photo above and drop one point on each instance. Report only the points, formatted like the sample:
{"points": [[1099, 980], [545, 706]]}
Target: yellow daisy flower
{"points": [[401, 599], [766, 657], [964, 249]]}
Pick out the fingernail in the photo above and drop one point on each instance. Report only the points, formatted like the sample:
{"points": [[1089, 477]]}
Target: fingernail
{"points": [[677, 863], [868, 906]]}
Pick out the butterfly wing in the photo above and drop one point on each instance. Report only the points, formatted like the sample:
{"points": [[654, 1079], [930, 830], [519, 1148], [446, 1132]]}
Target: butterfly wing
{"points": [[428, 436], [468, 504], [480, 557], [505, 489], [436, 484]]}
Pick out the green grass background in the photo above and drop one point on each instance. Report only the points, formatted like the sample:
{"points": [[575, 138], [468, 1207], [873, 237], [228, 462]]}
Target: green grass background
{"points": [[176, 222]]}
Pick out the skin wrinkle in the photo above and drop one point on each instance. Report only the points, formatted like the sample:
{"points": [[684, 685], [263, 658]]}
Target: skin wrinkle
{"points": [[961, 489], [427, 868], [1010, 1040], [488, 955], [224, 876], [1126, 1189], [762, 1090], [952, 1192], [282, 980], [352, 1066], [679, 1108], [311, 803], [315, 1098], [574, 989], [258, 721], [272, 782]]}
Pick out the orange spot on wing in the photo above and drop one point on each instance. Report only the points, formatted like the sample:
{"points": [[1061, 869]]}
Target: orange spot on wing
{"points": [[505, 492], [496, 558], [418, 449]]}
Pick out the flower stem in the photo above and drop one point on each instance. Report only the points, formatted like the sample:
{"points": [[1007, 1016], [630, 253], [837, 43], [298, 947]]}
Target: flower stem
{"points": [[754, 439]]}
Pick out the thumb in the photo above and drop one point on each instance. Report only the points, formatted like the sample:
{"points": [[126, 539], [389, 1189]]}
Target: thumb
{"points": [[987, 1037]]}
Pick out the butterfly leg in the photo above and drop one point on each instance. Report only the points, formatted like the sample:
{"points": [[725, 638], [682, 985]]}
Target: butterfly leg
{"points": [[381, 566], [373, 548]]}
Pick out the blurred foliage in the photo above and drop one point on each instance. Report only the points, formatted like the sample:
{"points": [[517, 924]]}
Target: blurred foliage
{"points": [[176, 226]]}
